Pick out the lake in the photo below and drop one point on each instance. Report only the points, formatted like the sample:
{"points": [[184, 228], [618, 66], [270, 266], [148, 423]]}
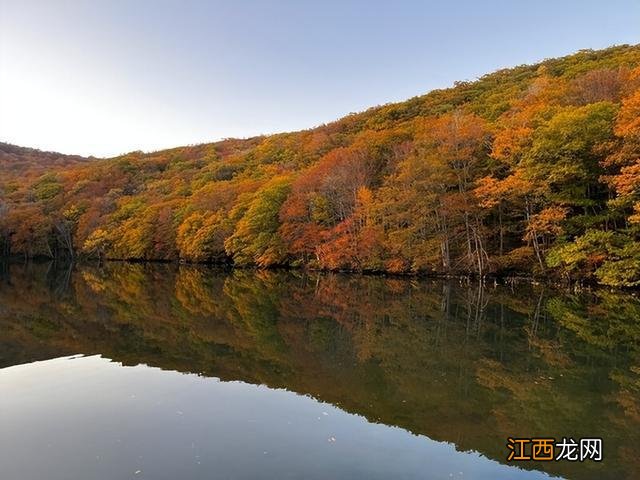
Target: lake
{"points": [[161, 371]]}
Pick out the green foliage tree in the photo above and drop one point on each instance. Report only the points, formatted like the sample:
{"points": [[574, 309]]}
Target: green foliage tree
{"points": [[255, 238]]}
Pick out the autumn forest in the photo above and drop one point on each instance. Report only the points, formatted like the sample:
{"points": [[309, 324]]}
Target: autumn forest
{"points": [[533, 170]]}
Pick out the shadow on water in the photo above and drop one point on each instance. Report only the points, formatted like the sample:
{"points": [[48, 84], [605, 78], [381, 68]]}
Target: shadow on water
{"points": [[463, 364]]}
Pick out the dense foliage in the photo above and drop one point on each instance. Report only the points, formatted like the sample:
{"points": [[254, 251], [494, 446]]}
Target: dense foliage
{"points": [[534, 169]]}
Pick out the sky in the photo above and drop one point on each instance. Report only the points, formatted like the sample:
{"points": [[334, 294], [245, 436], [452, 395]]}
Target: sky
{"points": [[105, 77]]}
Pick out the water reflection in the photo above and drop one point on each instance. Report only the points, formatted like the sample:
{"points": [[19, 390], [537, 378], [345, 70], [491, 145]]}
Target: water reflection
{"points": [[140, 422], [456, 363]]}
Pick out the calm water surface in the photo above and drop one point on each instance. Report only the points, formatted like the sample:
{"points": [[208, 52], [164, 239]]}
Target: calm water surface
{"points": [[165, 372]]}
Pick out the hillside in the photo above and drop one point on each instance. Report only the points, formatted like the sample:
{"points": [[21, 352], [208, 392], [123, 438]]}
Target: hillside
{"points": [[20, 161], [530, 170]]}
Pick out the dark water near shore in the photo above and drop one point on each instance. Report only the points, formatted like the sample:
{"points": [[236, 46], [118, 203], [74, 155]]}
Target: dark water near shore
{"points": [[164, 372]]}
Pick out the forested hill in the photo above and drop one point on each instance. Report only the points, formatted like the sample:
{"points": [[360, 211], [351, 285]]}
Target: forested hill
{"points": [[22, 161], [533, 170]]}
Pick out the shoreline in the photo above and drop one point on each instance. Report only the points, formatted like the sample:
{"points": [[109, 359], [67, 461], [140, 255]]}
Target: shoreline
{"points": [[469, 279]]}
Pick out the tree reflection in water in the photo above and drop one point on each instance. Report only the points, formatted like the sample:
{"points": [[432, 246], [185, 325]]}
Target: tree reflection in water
{"points": [[460, 363]]}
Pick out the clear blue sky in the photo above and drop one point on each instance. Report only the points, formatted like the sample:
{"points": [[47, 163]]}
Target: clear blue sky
{"points": [[106, 77]]}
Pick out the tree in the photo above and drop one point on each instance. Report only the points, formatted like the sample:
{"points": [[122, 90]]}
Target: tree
{"points": [[609, 256], [29, 231], [255, 239], [97, 243], [201, 237], [625, 161], [564, 153], [461, 141], [417, 215], [542, 228], [510, 194]]}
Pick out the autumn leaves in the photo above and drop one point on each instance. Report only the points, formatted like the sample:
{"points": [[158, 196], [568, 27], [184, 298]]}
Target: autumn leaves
{"points": [[533, 170]]}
